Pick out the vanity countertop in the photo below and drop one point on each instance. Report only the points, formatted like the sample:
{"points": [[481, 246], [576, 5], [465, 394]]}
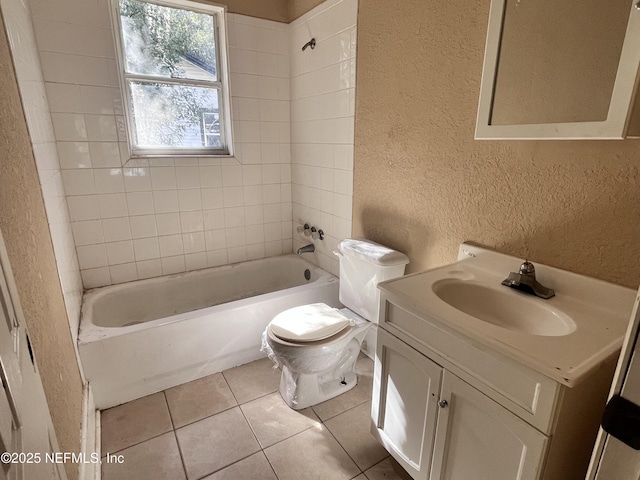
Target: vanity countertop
{"points": [[599, 310]]}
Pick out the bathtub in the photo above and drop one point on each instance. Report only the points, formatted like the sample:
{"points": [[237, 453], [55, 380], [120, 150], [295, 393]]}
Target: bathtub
{"points": [[146, 336]]}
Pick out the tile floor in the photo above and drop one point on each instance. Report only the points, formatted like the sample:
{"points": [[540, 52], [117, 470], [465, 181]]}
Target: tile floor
{"points": [[234, 425]]}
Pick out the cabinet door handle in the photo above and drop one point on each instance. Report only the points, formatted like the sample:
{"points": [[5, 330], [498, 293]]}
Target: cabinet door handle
{"points": [[443, 404]]}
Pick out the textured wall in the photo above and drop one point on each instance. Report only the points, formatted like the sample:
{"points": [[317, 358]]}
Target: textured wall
{"points": [[24, 226], [297, 8], [422, 184], [277, 10]]}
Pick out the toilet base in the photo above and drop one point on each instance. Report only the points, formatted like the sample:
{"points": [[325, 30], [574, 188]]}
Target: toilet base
{"points": [[301, 391]]}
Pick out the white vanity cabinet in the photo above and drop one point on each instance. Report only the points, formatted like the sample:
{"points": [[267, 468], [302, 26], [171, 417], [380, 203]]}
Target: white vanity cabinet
{"points": [[448, 408]]}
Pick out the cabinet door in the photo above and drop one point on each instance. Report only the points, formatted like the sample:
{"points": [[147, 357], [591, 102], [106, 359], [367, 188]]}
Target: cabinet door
{"points": [[477, 439], [404, 406]]}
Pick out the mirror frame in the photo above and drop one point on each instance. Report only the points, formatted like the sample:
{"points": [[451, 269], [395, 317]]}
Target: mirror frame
{"points": [[622, 98]]}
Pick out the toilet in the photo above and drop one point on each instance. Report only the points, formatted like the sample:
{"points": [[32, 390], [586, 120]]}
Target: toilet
{"points": [[317, 345]]}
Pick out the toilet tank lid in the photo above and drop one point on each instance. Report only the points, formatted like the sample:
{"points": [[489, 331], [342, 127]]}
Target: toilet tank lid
{"points": [[372, 252]]}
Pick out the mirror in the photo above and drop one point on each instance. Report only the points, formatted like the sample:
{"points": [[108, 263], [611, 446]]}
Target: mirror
{"points": [[562, 70]]}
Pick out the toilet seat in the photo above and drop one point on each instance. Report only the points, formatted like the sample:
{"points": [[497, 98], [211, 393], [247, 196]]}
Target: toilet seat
{"points": [[308, 323]]}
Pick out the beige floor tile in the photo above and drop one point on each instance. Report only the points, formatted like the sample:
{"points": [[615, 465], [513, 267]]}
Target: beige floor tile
{"points": [[253, 380], [216, 442], [273, 421], [388, 469], [337, 405], [311, 455], [255, 467], [364, 369], [199, 399], [352, 430], [360, 477], [155, 459], [134, 422]]}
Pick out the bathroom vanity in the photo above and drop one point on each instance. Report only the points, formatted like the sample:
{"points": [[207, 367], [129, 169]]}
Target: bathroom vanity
{"points": [[474, 380]]}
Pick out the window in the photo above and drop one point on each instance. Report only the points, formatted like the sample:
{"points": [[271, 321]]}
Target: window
{"points": [[173, 66]]}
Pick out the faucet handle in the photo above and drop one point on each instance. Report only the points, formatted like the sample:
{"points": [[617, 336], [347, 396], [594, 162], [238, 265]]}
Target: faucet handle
{"points": [[527, 268]]}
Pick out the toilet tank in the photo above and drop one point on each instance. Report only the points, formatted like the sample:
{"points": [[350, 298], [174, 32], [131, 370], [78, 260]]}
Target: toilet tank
{"points": [[363, 264]]}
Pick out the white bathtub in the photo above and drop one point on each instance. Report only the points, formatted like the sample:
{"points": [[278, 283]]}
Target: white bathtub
{"points": [[145, 336]]}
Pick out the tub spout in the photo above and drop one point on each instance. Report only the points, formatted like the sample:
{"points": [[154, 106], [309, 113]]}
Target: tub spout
{"points": [[306, 249]]}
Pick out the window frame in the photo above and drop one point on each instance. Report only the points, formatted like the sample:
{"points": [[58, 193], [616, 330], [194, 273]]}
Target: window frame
{"points": [[218, 13]]}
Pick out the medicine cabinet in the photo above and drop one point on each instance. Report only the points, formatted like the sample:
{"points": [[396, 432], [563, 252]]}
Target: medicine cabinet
{"points": [[560, 70]]}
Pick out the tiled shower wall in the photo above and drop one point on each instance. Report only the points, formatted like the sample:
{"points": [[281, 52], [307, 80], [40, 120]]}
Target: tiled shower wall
{"points": [[135, 219], [32, 91], [322, 123]]}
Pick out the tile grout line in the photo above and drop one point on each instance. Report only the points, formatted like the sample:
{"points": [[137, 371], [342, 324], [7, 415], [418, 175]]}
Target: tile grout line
{"points": [[175, 435], [343, 449]]}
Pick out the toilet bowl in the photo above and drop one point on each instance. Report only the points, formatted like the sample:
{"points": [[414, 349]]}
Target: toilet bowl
{"points": [[317, 346], [316, 365]]}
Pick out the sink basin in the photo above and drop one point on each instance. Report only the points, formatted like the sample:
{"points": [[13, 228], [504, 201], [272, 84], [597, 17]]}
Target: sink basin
{"points": [[505, 308]]}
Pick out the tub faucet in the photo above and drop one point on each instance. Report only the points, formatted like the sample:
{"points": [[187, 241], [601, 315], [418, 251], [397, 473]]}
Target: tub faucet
{"points": [[306, 249], [525, 281]]}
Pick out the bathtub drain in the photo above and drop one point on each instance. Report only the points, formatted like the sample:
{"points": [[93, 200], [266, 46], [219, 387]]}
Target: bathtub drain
{"points": [[307, 274]]}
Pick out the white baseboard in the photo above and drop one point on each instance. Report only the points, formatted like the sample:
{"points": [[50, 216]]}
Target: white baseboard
{"points": [[89, 437]]}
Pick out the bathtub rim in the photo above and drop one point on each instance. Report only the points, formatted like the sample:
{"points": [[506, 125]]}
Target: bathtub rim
{"points": [[89, 332]]}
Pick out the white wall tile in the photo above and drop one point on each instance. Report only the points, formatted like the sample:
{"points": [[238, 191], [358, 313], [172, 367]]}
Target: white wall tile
{"points": [[193, 243], [120, 252], [87, 232], [214, 219], [126, 272], [105, 154], [188, 177], [163, 178], [64, 98], [113, 205], [92, 256], [212, 198], [137, 179], [215, 239], [96, 100], [149, 268], [165, 201], [83, 207], [210, 176], [140, 203], [168, 223], [74, 155], [78, 182], [116, 229], [172, 265], [146, 249], [108, 180], [69, 127], [231, 176], [101, 128], [190, 198], [171, 245], [195, 261], [143, 226], [96, 277], [192, 221]]}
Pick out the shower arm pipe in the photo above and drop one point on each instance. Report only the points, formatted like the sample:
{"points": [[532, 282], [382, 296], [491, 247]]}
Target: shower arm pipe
{"points": [[311, 43]]}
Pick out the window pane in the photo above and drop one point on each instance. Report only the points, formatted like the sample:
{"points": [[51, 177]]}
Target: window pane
{"points": [[168, 41], [176, 116]]}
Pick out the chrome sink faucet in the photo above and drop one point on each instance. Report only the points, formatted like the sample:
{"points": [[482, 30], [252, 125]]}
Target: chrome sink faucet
{"points": [[525, 281]]}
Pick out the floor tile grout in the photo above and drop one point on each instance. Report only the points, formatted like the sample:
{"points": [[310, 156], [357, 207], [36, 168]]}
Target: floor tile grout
{"points": [[261, 449]]}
